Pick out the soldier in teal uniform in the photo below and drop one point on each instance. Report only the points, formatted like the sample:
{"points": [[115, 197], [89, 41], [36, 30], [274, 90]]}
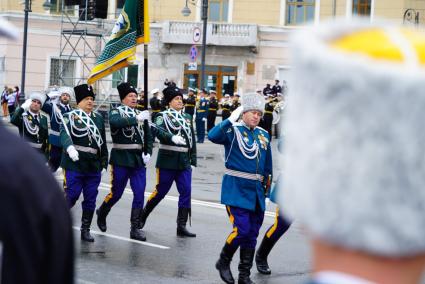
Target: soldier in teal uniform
{"points": [[131, 151], [190, 103], [248, 161], [56, 105], [86, 159], [201, 116], [32, 124], [175, 159], [274, 232], [212, 110]]}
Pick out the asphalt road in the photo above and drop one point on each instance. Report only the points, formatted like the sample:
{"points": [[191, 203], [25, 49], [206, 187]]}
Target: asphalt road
{"points": [[166, 258]]}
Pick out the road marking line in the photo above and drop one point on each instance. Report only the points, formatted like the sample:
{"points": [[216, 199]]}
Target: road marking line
{"points": [[127, 190], [125, 239]]}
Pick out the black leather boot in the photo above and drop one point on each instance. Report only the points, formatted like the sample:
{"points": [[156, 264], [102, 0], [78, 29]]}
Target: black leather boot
{"points": [[261, 255], [101, 213], [245, 264], [182, 217], [150, 205], [86, 219], [135, 232], [223, 263]]}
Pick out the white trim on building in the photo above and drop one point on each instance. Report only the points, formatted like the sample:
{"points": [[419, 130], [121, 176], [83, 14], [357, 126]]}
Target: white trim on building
{"points": [[348, 9], [282, 13], [317, 12], [372, 10], [230, 12]]}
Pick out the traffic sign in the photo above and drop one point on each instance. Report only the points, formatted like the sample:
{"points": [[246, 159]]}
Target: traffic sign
{"points": [[193, 53], [196, 34]]}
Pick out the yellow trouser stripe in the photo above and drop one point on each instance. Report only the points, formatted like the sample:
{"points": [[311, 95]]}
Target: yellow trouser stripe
{"points": [[64, 180], [155, 192], [110, 194], [233, 234], [274, 227]]}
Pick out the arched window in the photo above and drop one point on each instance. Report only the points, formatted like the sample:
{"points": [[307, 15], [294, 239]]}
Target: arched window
{"points": [[361, 7], [299, 11]]}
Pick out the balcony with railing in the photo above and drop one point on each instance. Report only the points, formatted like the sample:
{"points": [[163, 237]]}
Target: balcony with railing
{"points": [[221, 34]]}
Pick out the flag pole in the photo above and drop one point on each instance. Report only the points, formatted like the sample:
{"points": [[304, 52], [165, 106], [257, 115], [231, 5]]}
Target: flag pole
{"points": [[146, 90]]}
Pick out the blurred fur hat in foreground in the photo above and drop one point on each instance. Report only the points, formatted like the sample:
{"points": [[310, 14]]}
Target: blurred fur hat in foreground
{"points": [[354, 157]]}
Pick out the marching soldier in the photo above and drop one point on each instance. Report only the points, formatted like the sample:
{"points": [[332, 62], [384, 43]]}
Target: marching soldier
{"points": [[175, 160], [212, 110], [155, 103], [128, 158], [245, 182], [267, 90], [83, 138], [277, 89], [31, 123], [268, 115], [56, 105], [189, 106], [201, 116], [225, 107], [141, 101], [274, 232], [235, 102]]}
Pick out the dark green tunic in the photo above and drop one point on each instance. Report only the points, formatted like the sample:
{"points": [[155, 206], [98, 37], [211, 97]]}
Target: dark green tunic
{"points": [[88, 162], [174, 160], [124, 132], [38, 141]]}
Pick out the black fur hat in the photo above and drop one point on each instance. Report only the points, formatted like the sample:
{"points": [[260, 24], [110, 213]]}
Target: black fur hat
{"points": [[170, 93], [124, 89], [83, 91]]}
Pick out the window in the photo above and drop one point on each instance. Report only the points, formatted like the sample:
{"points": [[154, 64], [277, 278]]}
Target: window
{"points": [[118, 77], [120, 6], [62, 72], [56, 6], [361, 7], [132, 74], [218, 10], [299, 11]]}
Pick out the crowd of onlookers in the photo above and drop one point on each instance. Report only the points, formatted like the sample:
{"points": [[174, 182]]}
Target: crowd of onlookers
{"points": [[9, 100]]}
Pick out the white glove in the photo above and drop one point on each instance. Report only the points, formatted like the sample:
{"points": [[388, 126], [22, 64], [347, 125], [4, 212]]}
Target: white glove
{"points": [[192, 167], [146, 158], [236, 114], [144, 115], [72, 153], [178, 140], [26, 105], [103, 171], [204, 119]]}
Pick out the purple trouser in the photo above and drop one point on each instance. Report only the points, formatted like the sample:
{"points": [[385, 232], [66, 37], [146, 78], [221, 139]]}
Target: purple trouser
{"points": [[55, 156], [246, 225], [119, 179], [280, 226], [75, 182], [165, 179]]}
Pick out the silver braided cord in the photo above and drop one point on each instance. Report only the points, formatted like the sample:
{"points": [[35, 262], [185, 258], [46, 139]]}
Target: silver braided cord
{"points": [[171, 117], [90, 129], [30, 126], [248, 151], [126, 111]]}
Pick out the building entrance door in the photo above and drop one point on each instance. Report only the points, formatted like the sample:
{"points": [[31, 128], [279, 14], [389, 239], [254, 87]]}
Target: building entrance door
{"points": [[222, 79]]}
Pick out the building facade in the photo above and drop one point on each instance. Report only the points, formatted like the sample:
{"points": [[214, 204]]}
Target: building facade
{"points": [[247, 41]]}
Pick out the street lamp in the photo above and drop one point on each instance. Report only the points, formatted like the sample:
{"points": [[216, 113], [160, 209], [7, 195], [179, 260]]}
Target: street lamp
{"points": [[186, 12], [27, 9]]}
